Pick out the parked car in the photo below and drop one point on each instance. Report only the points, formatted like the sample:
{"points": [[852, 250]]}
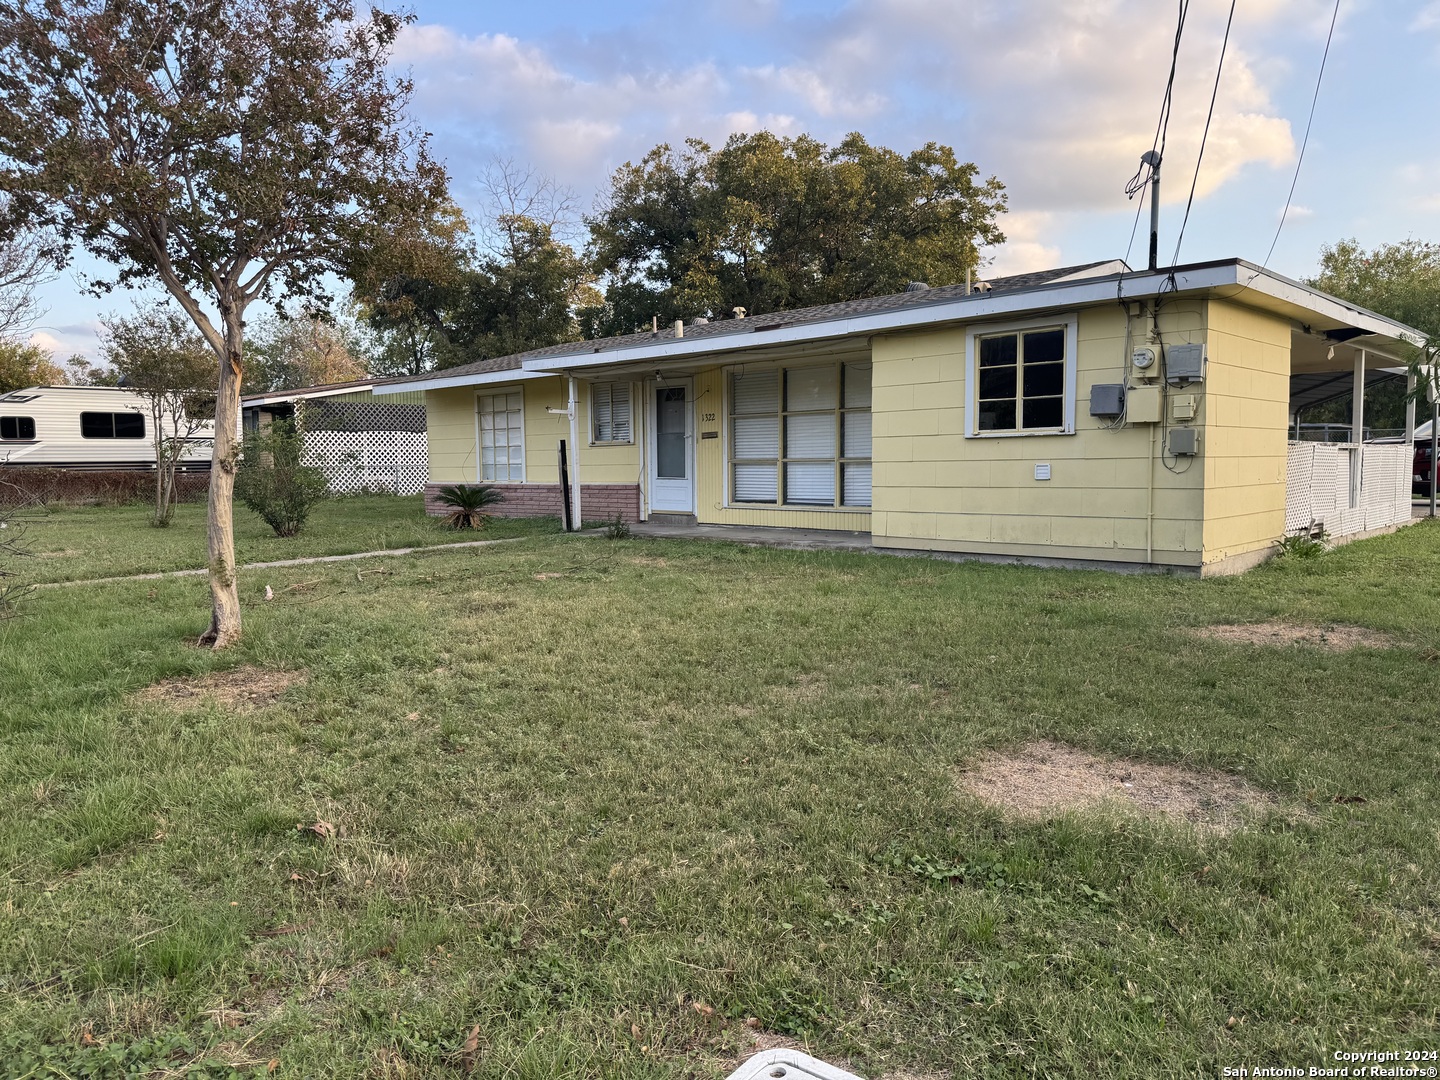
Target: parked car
{"points": [[1421, 469]]}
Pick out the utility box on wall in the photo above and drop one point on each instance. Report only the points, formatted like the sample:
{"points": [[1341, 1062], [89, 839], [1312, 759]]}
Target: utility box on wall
{"points": [[1184, 441], [1107, 399], [1144, 405], [1185, 363]]}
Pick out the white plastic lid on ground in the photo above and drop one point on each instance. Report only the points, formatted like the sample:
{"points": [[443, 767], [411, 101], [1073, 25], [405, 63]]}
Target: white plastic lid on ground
{"points": [[783, 1064]]}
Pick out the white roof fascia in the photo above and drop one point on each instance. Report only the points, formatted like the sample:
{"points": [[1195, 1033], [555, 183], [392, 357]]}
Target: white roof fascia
{"points": [[483, 378], [1051, 296], [280, 396]]}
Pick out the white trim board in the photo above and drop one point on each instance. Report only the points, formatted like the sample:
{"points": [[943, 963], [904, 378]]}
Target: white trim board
{"points": [[484, 378]]}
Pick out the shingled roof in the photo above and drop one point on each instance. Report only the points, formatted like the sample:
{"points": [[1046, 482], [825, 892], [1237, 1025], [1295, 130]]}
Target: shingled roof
{"points": [[774, 320]]}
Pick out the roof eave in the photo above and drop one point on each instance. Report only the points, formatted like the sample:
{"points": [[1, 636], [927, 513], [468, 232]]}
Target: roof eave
{"points": [[1200, 278], [480, 378]]}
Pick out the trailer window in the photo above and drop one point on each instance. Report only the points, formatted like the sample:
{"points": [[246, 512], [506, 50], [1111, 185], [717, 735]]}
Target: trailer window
{"points": [[112, 425], [17, 427]]}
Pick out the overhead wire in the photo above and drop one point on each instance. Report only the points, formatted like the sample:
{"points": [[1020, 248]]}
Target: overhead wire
{"points": [[1141, 179], [1205, 135], [1319, 78]]}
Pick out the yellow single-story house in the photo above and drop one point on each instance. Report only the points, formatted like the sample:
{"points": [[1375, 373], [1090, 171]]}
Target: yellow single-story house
{"points": [[1089, 413]]}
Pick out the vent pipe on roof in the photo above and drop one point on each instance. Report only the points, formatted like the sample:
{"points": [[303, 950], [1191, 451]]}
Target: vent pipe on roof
{"points": [[1152, 158], [679, 327]]}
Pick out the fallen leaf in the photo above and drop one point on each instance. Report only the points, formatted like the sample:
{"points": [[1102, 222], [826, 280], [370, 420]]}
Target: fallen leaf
{"points": [[703, 1009], [1231, 1022], [470, 1050], [323, 829], [752, 1023], [274, 1064], [635, 1032]]}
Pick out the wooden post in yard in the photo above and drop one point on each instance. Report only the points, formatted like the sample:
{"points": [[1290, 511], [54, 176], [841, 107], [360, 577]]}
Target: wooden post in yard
{"points": [[565, 489]]}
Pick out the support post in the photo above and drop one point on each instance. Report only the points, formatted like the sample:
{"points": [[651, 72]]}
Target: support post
{"points": [[1434, 446], [574, 406], [1357, 431], [565, 490]]}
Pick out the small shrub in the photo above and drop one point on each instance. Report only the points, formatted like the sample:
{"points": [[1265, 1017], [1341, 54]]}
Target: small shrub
{"points": [[1308, 543], [617, 529], [273, 481], [467, 504], [12, 548]]}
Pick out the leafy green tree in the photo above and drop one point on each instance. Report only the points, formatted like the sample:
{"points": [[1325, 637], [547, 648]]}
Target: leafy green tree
{"points": [[288, 353], [769, 223], [406, 286], [1400, 280], [79, 371], [231, 150], [526, 296], [23, 364], [158, 354]]}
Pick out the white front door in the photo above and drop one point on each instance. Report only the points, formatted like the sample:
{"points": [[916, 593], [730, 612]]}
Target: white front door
{"points": [[672, 446]]}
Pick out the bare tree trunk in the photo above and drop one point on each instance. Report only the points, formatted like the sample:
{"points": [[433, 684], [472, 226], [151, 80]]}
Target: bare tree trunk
{"points": [[220, 522]]}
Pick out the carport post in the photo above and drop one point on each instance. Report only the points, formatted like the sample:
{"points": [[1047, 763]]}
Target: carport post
{"points": [[1434, 441]]}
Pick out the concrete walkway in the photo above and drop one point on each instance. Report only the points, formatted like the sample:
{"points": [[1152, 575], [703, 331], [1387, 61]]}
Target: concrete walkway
{"points": [[759, 536], [279, 563]]}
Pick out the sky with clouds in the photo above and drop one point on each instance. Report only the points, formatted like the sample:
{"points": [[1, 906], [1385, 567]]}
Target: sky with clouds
{"points": [[1058, 98]]}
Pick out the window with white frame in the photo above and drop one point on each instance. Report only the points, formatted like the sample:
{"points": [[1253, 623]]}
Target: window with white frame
{"points": [[1022, 378], [502, 436], [610, 413], [800, 436]]}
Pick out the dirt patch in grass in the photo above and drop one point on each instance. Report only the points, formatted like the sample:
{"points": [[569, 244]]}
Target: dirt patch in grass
{"points": [[1280, 632], [1047, 778], [242, 689]]}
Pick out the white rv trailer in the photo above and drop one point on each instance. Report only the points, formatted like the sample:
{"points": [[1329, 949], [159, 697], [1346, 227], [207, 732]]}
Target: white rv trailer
{"points": [[87, 427]]}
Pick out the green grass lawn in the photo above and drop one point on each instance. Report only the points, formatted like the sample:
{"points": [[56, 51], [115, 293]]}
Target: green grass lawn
{"points": [[600, 802], [80, 543]]}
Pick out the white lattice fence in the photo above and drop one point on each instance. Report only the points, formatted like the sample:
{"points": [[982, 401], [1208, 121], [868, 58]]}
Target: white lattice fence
{"points": [[389, 461], [1319, 480]]}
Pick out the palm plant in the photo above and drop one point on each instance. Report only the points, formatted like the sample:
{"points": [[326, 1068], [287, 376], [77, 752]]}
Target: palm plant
{"points": [[466, 504]]}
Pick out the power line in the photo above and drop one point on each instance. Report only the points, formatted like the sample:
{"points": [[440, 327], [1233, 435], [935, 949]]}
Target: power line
{"points": [[1205, 135], [1306, 140]]}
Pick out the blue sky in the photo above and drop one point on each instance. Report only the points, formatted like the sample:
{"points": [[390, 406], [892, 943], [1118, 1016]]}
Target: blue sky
{"points": [[1057, 98]]}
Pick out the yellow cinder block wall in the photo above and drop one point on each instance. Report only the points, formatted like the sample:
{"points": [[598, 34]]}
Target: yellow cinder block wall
{"points": [[1247, 398], [936, 489]]}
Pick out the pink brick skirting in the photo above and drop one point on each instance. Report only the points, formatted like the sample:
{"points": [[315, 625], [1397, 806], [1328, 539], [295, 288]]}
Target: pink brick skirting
{"points": [[598, 502]]}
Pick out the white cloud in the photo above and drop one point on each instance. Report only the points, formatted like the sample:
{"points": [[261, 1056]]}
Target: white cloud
{"points": [[1295, 213], [1055, 97], [1427, 18], [1024, 249]]}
